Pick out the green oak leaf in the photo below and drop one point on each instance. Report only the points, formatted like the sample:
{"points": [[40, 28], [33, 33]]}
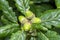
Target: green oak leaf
{"points": [[22, 5], [52, 35], [41, 36], [51, 18], [19, 35], [7, 30], [49, 35], [7, 11]]}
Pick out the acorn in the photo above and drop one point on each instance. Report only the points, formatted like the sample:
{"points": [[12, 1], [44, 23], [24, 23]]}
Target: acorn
{"points": [[36, 20], [29, 14], [22, 19], [27, 26]]}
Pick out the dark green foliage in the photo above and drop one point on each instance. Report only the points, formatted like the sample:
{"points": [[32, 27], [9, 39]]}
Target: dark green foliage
{"points": [[8, 29], [48, 11], [49, 35], [39, 1], [4, 20], [22, 5], [8, 12], [39, 9], [51, 18]]}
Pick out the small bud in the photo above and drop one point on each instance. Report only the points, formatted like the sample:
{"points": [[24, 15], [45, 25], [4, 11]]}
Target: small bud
{"points": [[36, 20], [44, 28], [27, 26], [29, 15], [22, 19]]}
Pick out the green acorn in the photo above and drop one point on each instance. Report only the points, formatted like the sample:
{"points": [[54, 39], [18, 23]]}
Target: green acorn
{"points": [[36, 20], [27, 26], [29, 14], [22, 19]]}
